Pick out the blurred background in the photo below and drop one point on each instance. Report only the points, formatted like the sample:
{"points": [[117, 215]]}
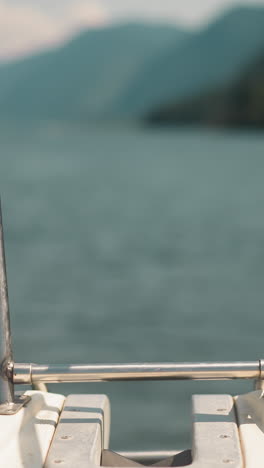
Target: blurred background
{"points": [[131, 176]]}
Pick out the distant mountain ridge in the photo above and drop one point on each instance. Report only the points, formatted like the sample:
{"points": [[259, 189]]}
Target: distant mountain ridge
{"points": [[208, 58], [81, 79], [130, 71]]}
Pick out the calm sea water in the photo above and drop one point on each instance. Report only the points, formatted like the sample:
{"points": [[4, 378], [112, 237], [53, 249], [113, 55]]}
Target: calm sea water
{"points": [[135, 245]]}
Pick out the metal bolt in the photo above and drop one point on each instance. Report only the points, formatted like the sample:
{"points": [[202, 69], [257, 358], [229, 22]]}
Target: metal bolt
{"points": [[224, 436]]}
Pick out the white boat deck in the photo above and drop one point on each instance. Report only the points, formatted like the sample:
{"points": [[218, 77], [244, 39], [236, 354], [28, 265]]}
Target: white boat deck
{"points": [[52, 431]]}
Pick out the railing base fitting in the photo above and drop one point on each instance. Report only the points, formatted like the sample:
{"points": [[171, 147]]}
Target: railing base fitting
{"points": [[8, 409]]}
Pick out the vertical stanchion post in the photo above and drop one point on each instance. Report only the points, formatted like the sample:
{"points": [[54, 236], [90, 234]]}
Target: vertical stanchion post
{"points": [[6, 357]]}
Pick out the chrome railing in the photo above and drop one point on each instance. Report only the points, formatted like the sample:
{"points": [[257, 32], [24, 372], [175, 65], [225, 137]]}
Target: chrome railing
{"points": [[6, 385], [34, 373]]}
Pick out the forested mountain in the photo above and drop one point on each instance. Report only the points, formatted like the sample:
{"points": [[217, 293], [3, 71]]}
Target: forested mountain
{"points": [[134, 70], [209, 58], [239, 104]]}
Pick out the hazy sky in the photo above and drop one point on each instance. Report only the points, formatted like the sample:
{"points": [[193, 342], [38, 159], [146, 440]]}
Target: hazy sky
{"points": [[27, 25]]}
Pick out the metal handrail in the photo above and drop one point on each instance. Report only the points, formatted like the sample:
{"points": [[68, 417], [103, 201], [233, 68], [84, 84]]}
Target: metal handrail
{"points": [[9, 403], [6, 386], [34, 373]]}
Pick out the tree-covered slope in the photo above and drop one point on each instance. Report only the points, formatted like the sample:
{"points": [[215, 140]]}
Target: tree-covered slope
{"points": [[241, 103]]}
